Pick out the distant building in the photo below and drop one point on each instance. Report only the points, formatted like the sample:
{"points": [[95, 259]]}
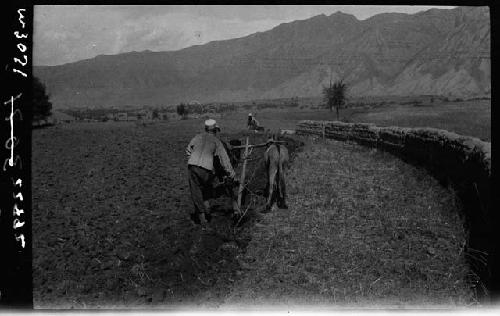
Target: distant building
{"points": [[47, 121], [60, 117], [122, 116], [163, 116], [146, 115]]}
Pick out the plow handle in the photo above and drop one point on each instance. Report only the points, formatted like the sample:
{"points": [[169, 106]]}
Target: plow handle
{"points": [[242, 177]]}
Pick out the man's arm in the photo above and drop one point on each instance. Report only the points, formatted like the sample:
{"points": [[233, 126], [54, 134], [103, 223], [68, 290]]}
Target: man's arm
{"points": [[190, 147], [224, 158]]}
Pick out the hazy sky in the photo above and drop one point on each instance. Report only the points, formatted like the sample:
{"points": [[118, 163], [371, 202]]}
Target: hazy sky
{"points": [[65, 34]]}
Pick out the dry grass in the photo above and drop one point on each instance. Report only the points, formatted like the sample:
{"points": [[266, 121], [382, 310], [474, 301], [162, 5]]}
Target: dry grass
{"points": [[471, 118], [363, 229]]}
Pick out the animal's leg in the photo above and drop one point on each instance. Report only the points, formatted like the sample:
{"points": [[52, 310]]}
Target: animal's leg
{"points": [[271, 189], [266, 189], [282, 175], [282, 195]]}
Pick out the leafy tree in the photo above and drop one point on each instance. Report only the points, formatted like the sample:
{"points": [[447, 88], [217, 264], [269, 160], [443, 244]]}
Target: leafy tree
{"points": [[42, 107], [335, 95], [182, 110], [155, 115]]}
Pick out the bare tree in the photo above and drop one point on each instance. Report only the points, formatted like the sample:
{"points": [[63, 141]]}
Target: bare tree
{"points": [[335, 95]]}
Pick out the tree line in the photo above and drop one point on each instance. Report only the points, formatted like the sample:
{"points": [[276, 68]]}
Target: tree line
{"points": [[184, 110]]}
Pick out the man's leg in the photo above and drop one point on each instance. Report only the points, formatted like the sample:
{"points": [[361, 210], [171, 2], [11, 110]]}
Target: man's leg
{"points": [[207, 189], [206, 216], [195, 186]]}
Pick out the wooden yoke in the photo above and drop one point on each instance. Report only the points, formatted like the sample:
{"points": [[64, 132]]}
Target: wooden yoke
{"points": [[259, 145]]}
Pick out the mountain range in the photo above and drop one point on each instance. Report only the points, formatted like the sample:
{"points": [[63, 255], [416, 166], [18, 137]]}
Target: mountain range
{"points": [[435, 52]]}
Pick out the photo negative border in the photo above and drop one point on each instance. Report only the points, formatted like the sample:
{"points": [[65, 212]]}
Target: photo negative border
{"points": [[16, 289]]}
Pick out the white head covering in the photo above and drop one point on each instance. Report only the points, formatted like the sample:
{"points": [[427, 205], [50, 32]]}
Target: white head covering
{"points": [[210, 124], [249, 114]]}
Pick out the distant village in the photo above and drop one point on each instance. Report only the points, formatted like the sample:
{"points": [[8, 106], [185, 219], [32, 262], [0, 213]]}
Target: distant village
{"points": [[69, 116], [191, 109]]}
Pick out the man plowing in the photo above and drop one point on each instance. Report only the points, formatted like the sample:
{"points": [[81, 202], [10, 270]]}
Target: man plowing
{"points": [[202, 151], [253, 124]]}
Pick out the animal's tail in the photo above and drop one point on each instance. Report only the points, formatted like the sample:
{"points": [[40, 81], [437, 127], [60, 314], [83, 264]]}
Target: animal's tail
{"points": [[278, 174]]}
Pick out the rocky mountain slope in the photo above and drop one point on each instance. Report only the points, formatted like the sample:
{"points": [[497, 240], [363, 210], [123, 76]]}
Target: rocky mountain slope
{"points": [[441, 52]]}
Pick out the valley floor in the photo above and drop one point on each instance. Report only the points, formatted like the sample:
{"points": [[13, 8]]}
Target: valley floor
{"points": [[110, 227]]}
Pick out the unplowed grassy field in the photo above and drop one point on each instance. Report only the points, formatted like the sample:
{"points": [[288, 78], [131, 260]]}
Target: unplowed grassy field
{"points": [[363, 230]]}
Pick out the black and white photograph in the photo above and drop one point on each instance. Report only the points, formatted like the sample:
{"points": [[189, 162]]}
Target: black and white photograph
{"points": [[257, 157]]}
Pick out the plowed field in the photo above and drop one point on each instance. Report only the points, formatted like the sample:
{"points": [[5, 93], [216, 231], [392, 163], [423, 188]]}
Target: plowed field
{"points": [[110, 218]]}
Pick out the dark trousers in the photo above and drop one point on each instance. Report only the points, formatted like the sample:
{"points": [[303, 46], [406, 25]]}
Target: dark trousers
{"points": [[201, 185]]}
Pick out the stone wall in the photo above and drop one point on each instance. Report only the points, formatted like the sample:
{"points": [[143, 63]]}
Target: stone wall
{"points": [[461, 162]]}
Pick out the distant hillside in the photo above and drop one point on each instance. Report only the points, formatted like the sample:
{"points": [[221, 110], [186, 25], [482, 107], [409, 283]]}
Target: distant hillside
{"points": [[439, 52]]}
